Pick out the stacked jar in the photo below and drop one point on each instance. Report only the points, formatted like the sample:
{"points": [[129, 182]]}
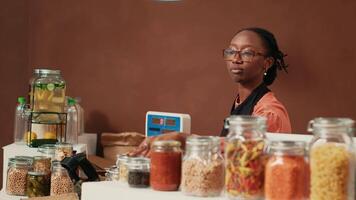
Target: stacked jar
{"points": [[286, 173], [38, 184], [332, 159], [166, 162], [203, 167], [63, 150], [60, 181], [138, 172], [16, 176], [245, 159]]}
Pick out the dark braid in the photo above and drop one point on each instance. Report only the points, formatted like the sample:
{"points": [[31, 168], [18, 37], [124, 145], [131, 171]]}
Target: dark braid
{"points": [[273, 51]]}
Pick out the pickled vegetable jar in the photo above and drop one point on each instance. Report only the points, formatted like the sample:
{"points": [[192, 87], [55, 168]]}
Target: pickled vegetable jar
{"points": [[166, 162], [332, 159], [203, 167], [244, 157], [38, 184], [49, 91], [286, 173]]}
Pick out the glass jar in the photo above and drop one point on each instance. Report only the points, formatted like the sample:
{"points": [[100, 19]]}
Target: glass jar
{"points": [[121, 163], [47, 150], [28, 158], [112, 173], [203, 167], [42, 164], [63, 150], [49, 92], [286, 172], [60, 182], [16, 176], [35, 75], [244, 156], [138, 172], [166, 162], [38, 184], [332, 158]]}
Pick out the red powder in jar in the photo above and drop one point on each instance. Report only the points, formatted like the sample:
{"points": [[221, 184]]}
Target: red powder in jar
{"points": [[166, 170]]}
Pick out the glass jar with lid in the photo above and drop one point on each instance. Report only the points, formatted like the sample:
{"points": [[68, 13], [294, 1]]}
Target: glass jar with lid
{"points": [[203, 167], [121, 163], [112, 173], [286, 172], [166, 162], [63, 150], [244, 156], [42, 164], [38, 184], [49, 92], [16, 176], [60, 181], [47, 150], [138, 172], [332, 158]]}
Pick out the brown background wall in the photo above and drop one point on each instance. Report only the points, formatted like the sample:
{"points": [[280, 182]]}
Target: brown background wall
{"points": [[125, 57]]}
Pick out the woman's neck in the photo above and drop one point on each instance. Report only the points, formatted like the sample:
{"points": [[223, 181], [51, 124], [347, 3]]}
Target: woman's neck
{"points": [[246, 89]]}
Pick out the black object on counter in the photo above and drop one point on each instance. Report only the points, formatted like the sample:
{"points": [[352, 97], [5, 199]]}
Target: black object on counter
{"points": [[138, 178], [79, 160]]}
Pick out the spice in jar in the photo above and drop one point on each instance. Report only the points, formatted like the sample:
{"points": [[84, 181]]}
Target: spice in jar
{"points": [[286, 171], [16, 176], [330, 167], [245, 168], [60, 182], [166, 162], [121, 163], [38, 184], [63, 150], [203, 167], [42, 164], [139, 172]]}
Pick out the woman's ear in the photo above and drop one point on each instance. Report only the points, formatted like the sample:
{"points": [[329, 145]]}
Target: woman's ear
{"points": [[268, 62]]}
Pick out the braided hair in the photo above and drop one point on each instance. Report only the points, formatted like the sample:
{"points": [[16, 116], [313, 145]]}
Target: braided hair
{"points": [[273, 51]]}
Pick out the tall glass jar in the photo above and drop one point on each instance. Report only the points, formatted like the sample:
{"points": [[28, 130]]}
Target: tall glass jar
{"points": [[60, 181], [35, 75], [49, 92], [138, 172], [332, 159], [203, 167], [16, 176], [286, 172], [244, 157], [166, 162]]}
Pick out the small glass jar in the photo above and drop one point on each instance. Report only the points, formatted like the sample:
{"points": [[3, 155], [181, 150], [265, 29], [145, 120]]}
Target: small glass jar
{"points": [[49, 92], [112, 173], [28, 158], [245, 159], [47, 150], [63, 150], [42, 164], [332, 158], [166, 162], [16, 176], [38, 184], [138, 172], [60, 182], [286, 172], [121, 163], [203, 167]]}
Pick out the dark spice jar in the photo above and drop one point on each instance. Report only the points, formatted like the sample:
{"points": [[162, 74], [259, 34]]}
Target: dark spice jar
{"points": [[139, 172], [166, 162]]}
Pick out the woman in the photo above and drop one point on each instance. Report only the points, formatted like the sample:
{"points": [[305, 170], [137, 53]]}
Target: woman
{"points": [[253, 59]]}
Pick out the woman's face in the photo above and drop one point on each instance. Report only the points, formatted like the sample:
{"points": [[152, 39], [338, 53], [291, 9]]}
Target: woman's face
{"points": [[249, 66]]}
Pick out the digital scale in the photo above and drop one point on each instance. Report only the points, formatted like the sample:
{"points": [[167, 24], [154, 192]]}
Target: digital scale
{"points": [[158, 123]]}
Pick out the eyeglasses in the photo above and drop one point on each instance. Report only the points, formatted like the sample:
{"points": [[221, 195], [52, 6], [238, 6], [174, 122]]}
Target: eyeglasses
{"points": [[247, 55]]}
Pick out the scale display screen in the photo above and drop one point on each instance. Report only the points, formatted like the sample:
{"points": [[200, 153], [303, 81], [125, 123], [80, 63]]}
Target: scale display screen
{"points": [[162, 124]]}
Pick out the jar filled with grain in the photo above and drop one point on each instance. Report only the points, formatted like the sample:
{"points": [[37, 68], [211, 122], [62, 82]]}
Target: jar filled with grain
{"points": [[60, 181], [16, 176], [286, 172], [245, 158], [203, 167], [138, 172], [121, 163], [332, 159]]}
